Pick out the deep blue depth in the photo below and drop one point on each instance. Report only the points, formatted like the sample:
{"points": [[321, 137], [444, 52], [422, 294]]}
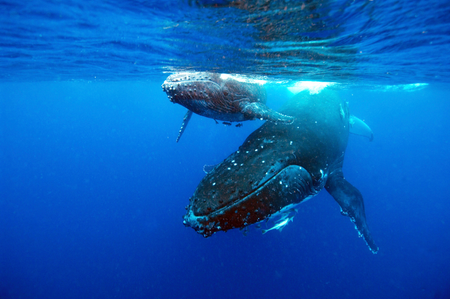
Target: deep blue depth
{"points": [[94, 188]]}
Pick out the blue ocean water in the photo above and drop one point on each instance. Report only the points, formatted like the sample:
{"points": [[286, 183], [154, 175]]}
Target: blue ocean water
{"points": [[93, 185]]}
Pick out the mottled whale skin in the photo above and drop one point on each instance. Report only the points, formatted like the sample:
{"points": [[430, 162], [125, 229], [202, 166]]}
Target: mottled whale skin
{"points": [[279, 166], [220, 97]]}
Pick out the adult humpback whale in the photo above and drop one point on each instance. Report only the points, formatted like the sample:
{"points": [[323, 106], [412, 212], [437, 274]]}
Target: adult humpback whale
{"points": [[219, 97], [279, 166]]}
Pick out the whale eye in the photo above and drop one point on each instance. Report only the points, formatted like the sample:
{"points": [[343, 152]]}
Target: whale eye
{"points": [[225, 93]]}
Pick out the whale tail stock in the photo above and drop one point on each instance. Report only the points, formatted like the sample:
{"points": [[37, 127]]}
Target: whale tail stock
{"points": [[351, 202]]}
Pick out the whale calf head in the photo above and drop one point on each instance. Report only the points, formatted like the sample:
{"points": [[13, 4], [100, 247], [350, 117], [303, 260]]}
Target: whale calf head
{"points": [[212, 95]]}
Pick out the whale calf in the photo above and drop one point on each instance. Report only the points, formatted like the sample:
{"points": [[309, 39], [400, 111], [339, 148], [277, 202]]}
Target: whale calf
{"points": [[219, 97], [279, 166]]}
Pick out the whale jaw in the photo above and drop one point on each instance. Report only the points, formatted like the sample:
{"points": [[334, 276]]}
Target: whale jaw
{"points": [[290, 186]]}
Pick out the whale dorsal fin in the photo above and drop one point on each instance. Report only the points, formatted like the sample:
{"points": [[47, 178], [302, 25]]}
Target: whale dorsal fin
{"points": [[359, 127]]}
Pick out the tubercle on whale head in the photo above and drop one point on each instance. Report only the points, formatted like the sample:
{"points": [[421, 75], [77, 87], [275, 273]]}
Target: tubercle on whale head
{"points": [[192, 76]]}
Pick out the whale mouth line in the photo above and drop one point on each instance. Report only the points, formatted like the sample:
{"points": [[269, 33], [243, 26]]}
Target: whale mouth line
{"points": [[245, 197]]}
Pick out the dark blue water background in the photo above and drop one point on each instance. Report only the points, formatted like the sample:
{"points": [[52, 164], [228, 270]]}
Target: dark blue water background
{"points": [[93, 185]]}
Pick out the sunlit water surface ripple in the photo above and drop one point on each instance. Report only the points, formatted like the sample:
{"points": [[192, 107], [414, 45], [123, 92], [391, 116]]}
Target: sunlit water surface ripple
{"points": [[356, 42]]}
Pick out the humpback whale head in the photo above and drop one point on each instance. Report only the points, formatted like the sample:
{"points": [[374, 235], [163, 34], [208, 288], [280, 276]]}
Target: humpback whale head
{"points": [[198, 86], [212, 95], [260, 179]]}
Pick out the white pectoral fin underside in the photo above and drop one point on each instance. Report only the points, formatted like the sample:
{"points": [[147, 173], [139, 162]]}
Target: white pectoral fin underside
{"points": [[359, 127]]}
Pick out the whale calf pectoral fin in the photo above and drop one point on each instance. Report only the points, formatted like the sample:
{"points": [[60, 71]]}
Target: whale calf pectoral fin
{"points": [[359, 127], [186, 119], [351, 202], [258, 110]]}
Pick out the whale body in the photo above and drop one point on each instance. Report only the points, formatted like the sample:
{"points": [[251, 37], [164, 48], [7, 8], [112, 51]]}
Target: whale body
{"points": [[220, 97], [279, 166]]}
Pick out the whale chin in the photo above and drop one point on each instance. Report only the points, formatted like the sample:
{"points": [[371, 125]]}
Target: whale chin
{"points": [[290, 186]]}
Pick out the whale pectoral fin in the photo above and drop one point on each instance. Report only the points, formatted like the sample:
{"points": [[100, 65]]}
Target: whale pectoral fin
{"points": [[359, 127], [186, 119], [351, 202], [258, 110]]}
